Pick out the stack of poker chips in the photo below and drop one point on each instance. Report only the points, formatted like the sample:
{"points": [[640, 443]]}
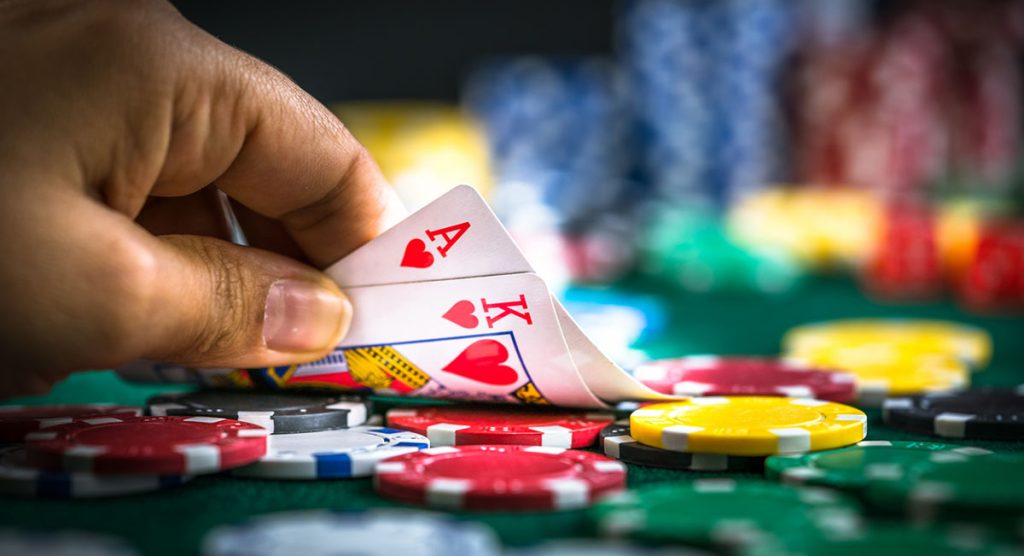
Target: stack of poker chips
{"points": [[902, 248], [748, 415], [107, 450], [928, 98], [708, 130], [792, 420], [500, 458], [740, 410], [557, 132], [731, 433], [893, 358], [704, 82], [97, 450]]}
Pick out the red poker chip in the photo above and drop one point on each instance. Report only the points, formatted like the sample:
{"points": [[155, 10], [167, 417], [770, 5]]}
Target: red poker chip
{"points": [[492, 477], [157, 445], [459, 426], [745, 376], [18, 420]]}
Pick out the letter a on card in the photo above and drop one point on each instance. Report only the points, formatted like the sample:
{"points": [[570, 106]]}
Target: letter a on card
{"points": [[456, 236]]}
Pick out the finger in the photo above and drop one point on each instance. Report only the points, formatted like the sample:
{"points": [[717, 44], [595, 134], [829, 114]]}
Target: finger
{"points": [[125, 294], [276, 150], [220, 304]]}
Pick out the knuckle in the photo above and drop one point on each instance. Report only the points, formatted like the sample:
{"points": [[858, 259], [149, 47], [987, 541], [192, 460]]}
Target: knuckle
{"points": [[117, 24]]}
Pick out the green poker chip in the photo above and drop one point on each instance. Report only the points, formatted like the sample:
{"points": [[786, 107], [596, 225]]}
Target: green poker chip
{"points": [[854, 467], [991, 484], [901, 540], [726, 513]]}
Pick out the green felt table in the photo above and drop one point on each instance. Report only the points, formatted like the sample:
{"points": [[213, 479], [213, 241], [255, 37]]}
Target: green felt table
{"points": [[174, 521]]}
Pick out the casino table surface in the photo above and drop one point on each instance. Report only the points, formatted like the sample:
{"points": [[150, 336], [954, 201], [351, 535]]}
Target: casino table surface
{"points": [[174, 521]]}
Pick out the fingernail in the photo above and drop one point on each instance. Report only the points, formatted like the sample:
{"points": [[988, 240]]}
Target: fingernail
{"points": [[303, 316]]}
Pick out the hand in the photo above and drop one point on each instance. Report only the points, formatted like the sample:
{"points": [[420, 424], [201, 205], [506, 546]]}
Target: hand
{"points": [[117, 116]]}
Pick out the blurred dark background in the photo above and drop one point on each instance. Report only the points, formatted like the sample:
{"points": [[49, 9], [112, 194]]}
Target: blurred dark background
{"points": [[400, 49]]}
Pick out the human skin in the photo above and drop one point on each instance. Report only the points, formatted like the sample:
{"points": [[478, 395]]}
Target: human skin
{"points": [[117, 116]]}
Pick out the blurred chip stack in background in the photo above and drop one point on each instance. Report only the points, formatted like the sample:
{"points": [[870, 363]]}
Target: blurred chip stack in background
{"points": [[557, 131], [746, 145]]}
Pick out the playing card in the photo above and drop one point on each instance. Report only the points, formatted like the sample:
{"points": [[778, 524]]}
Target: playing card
{"points": [[490, 338], [456, 236], [604, 378]]}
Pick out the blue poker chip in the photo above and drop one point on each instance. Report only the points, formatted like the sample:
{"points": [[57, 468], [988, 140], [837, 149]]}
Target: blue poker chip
{"points": [[17, 478], [331, 454], [372, 533]]}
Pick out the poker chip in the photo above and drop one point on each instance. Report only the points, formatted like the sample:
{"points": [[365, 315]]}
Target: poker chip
{"points": [[982, 414], [158, 445], [969, 344], [340, 453], [891, 540], [62, 543], [748, 425], [617, 443], [853, 467], [18, 420], [500, 477], [372, 533], [991, 484], [580, 547], [278, 412], [883, 371], [726, 513], [744, 376], [17, 478], [458, 426]]}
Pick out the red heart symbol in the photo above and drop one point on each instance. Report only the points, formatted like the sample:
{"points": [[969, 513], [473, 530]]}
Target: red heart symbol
{"points": [[416, 254], [462, 314], [481, 361]]}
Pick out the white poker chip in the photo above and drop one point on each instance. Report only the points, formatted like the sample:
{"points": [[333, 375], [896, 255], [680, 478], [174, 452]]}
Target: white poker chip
{"points": [[373, 533], [17, 478], [333, 454], [62, 543]]}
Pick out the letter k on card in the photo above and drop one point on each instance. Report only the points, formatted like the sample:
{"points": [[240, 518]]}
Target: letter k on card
{"points": [[464, 312]]}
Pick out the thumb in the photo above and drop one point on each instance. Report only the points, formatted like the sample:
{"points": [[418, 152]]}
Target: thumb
{"points": [[224, 305]]}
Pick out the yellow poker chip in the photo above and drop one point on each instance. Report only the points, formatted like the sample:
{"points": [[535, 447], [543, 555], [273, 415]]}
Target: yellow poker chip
{"points": [[969, 344], [884, 370], [748, 425]]}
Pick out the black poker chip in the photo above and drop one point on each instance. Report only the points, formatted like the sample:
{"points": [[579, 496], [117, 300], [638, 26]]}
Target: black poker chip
{"points": [[278, 412], [981, 414], [617, 443]]}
